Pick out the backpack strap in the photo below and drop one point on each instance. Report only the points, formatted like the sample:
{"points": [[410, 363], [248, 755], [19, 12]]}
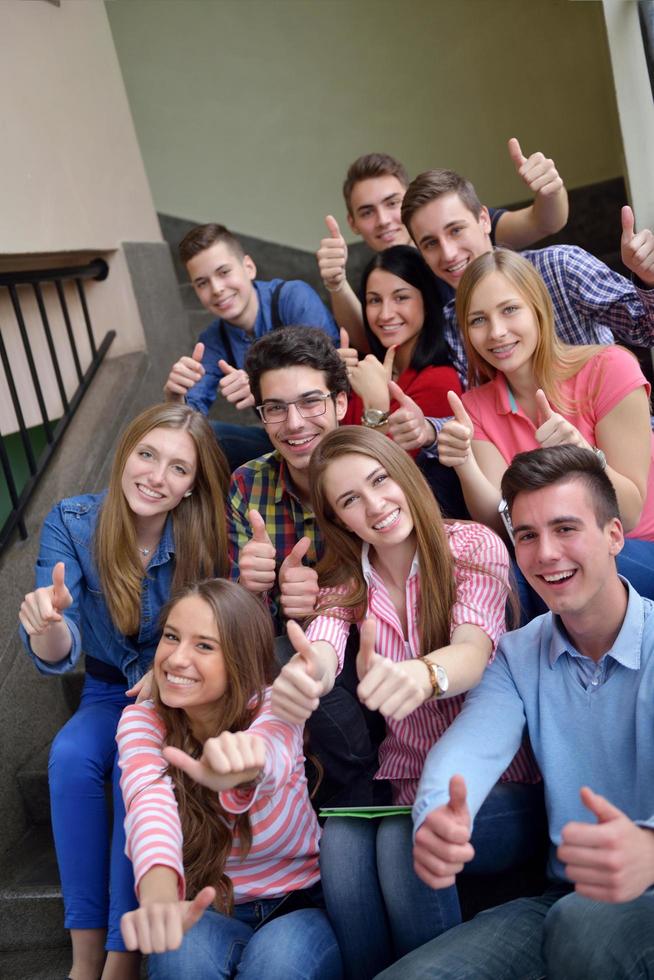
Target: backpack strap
{"points": [[275, 318]]}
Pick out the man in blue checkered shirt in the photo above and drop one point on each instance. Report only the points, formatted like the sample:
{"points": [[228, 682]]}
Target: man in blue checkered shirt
{"points": [[592, 303]]}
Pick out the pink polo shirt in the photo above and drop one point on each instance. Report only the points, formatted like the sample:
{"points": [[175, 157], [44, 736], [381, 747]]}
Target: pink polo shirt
{"points": [[602, 383]]}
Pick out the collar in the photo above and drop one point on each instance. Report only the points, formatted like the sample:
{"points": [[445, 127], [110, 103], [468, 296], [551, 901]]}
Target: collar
{"points": [[284, 485], [626, 649], [369, 572], [505, 403], [166, 547]]}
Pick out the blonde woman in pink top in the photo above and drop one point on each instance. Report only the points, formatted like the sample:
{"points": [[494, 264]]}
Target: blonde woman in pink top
{"points": [[217, 806], [528, 390]]}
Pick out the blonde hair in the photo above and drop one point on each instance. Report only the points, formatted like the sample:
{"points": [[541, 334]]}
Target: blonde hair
{"points": [[341, 562], [199, 523], [553, 361], [246, 637]]}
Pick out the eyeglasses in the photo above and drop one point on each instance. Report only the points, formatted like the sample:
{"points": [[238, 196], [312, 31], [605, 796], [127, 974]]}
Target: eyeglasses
{"points": [[309, 407]]}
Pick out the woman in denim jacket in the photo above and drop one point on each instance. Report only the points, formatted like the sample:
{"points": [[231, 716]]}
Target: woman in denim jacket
{"points": [[107, 564]]}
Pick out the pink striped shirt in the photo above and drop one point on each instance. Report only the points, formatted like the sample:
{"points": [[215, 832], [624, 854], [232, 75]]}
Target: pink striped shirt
{"points": [[285, 832], [481, 572]]}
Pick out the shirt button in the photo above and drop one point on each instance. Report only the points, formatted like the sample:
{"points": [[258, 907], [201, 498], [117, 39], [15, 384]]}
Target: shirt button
{"points": [[595, 681]]}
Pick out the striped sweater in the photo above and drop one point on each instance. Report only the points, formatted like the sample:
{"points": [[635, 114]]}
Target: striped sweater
{"points": [[285, 833]]}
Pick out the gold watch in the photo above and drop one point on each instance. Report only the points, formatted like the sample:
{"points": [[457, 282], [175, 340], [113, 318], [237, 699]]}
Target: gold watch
{"points": [[438, 678]]}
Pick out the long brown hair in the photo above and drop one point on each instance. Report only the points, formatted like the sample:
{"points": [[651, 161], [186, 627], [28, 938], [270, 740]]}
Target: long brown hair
{"points": [[246, 641], [553, 361], [199, 523], [341, 562]]}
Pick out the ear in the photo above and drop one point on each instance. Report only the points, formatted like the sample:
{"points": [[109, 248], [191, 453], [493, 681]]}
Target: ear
{"points": [[340, 403], [485, 219], [250, 267], [616, 537]]}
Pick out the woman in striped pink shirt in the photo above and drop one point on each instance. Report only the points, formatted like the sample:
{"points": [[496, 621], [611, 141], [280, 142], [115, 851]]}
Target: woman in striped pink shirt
{"points": [[217, 805], [434, 595]]}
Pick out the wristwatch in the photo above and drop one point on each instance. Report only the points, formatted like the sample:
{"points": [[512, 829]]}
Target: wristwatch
{"points": [[374, 418], [438, 678]]}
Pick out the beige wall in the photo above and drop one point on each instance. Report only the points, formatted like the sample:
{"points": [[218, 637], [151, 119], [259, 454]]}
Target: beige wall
{"points": [[73, 182], [249, 112]]}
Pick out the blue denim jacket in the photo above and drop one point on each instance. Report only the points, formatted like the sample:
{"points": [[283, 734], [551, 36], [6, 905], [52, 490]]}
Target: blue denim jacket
{"points": [[67, 536]]}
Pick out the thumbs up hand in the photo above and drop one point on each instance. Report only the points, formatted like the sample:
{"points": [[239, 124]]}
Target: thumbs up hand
{"points": [[407, 425], [610, 860], [393, 689], [298, 583], [228, 760], [455, 438], [553, 428], [442, 846], [637, 249], [349, 355], [185, 373], [235, 386], [42, 608], [537, 171], [332, 257], [301, 682], [157, 927], [369, 379], [256, 561]]}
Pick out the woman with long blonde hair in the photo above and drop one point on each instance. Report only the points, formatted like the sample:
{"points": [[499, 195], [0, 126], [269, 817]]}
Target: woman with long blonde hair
{"points": [[429, 598], [106, 566], [217, 805], [528, 390]]}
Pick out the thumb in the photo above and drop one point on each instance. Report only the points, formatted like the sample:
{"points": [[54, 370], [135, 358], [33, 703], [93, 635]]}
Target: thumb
{"points": [[258, 526], [198, 907], [544, 408], [367, 636], [332, 226], [458, 797], [515, 152], [58, 583], [182, 760], [599, 805], [302, 646], [297, 553], [198, 353], [225, 367], [628, 224], [458, 409], [400, 396], [389, 357], [345, 337]]}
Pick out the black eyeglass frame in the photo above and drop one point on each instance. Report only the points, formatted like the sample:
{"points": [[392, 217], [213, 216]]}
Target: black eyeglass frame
{"points": [[318, 396]]}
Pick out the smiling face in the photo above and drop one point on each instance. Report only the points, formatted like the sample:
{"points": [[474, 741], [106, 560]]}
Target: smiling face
{"points": [[375, 212], [368, 502], [158, 472], [501, 325], [395, 310], [564, 555], [222, 281], [297, 437], [449, 236]]}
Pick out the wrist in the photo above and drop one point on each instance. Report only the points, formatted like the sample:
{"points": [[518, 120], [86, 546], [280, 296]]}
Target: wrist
{"points": [[334, 287], [429, 435]]}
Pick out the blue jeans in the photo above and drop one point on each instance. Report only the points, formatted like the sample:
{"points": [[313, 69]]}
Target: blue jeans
{"points": [[241, 443], [379, 907], [296, 946], [636, 563], [97, 880], [559, 935]]}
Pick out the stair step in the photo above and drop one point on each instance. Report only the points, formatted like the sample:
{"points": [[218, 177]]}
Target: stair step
{"points": [[33, 781], [31, 910], [36, 964]]}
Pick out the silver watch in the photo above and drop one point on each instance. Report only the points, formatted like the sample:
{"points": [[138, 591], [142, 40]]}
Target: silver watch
{"points": [[374, 417]]}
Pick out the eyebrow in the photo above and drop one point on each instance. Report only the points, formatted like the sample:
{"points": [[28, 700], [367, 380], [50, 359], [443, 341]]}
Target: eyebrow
{"points": [[219, 268], [196, 636], [151, 449], [555, 520], [305, 394], [371, 476], [372, 204], [504, 302]]}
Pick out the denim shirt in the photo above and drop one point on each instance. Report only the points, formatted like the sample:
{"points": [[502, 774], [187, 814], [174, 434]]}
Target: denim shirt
{"points": [[67, 536]]}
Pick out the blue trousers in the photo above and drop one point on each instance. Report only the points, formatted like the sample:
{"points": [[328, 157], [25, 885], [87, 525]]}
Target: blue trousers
{"points": [[379, 907], [97, 880], [559, 935], [241, 443], [296, 946]]}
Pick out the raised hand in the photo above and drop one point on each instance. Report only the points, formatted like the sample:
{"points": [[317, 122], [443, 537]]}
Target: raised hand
{"points": [[256, 561], [185, 373], [637, 249], [537, 171], [298, 583], [349, 355], [611, 860], [369, 379], [298, 687], [393, 689], [407, 425], [160, 926], [553, 429], [228, 760], [332, 256], [42, 608], [442, 846], [455, 438], [235, 386]]}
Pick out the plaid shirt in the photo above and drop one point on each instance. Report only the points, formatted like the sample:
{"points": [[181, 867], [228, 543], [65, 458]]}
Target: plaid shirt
{"points": [[264, 485], [592, 305]]}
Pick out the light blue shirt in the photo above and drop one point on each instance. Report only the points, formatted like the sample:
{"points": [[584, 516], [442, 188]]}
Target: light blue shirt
{"points": [[589, 724]]}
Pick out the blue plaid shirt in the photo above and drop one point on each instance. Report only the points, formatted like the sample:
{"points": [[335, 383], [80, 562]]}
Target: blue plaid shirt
{"points": [[592, 305]]}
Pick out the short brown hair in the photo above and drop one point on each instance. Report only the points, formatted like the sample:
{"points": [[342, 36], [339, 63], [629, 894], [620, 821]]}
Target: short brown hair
{"points": [[372, 165], [202, 237], [432, 184]]}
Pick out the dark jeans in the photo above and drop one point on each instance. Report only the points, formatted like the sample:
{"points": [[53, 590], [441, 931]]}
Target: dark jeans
{"points": [[241, 443]]}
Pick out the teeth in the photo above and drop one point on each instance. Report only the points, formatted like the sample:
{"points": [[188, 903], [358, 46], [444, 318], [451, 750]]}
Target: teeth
{"points": [[458, 266], [150, 493], [387, 520], [299, 442], [558, 576], [181, 681], [503, 349]]}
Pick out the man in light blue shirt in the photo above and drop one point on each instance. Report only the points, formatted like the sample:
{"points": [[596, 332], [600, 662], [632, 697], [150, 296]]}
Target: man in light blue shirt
{"points": [[580, 679]]}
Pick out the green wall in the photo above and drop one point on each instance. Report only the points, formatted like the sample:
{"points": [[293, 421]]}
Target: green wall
{"points": [[249, 111]]}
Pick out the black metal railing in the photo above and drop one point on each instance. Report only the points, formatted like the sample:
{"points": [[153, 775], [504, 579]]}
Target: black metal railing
{"points": [[98, 269]]}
